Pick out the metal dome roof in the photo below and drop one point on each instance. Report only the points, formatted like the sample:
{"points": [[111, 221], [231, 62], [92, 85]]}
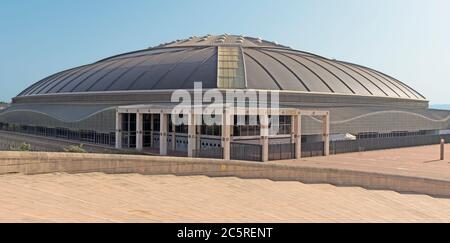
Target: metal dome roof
{"points": [[225, 61]]}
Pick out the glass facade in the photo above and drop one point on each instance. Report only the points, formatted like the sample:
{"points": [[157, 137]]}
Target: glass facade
{"points": [[129, 130], [284, 128]]}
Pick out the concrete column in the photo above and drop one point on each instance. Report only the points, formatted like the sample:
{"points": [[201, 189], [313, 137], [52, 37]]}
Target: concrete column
{"points": [[139, 131], [297, 127], [152, 129], [226, 135], [326, 134], [119, 129], [264, 120], [192, 140], [163, 131]]}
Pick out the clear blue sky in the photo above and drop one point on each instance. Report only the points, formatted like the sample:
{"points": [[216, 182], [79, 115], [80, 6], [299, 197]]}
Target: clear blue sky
{"points": [[408, 39]]}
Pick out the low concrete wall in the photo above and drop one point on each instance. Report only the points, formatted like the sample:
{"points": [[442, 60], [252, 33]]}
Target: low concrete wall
{"points": [[40, 162]]}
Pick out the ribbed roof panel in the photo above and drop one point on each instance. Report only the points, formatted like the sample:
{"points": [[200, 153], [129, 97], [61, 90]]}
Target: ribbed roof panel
{"points": [[268, 65]]}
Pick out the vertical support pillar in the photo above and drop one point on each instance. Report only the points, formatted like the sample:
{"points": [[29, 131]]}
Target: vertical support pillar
{"points": [[326, 134], [192, 140], [139, 131], [442, 149], [119, 129], [264, 132], [163, 131], [226, 134], [298, 136]]}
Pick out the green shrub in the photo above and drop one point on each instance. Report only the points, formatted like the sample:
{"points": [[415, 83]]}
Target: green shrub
{"points": [[75, 149], [25, 147]]}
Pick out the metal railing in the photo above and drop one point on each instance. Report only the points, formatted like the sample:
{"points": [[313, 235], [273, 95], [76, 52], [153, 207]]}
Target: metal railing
{"points": [[281, 151], [248, 152], [14, 141], [370, 144], [211, 152], [239, 150], [312, 149], [85, 136]]}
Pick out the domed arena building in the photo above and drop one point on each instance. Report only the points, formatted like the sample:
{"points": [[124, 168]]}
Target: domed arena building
{"points": [[122, 101]]}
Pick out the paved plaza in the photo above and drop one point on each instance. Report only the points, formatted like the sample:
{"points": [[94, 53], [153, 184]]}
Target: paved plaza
{"points": [[414, 161], [99, 197]]}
